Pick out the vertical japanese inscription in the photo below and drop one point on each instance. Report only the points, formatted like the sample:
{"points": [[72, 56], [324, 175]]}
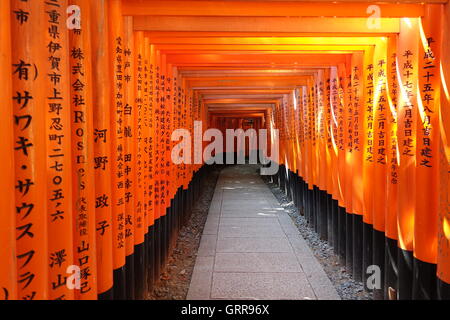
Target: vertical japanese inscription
{"points": [[101, 83], [8, 272], [407, 71], [116, 47], [138, 162], [129, 133], [83, 200], [391, 142], [58, 150]]}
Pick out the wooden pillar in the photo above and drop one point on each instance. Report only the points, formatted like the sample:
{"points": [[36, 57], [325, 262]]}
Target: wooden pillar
{"points": [[83, 178], [29, 92], [8, 273], [407, 118], [368, 156], [59, 171], [443, 260], [139, 182], [117, 161], [101, 81], [380, 130], [358, 104], [427, 156], [129, 135], [391, 234]]}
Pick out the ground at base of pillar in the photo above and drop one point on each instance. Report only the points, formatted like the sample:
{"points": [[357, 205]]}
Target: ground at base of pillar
{"points": [[174, 281]]}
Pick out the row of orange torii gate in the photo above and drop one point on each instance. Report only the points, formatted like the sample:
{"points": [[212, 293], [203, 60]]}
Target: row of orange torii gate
{"points": [[364, 152], [97, 200]]}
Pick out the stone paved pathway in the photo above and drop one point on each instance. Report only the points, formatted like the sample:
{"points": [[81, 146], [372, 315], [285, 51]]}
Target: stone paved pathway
{"points": [[251, 249]]}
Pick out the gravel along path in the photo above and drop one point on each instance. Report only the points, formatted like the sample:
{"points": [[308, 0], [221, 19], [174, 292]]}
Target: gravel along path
{"points": [[175, 279], [347, 288]]}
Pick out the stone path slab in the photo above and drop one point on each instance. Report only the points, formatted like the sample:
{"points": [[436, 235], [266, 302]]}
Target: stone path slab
{"points": [[251, 249]]}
